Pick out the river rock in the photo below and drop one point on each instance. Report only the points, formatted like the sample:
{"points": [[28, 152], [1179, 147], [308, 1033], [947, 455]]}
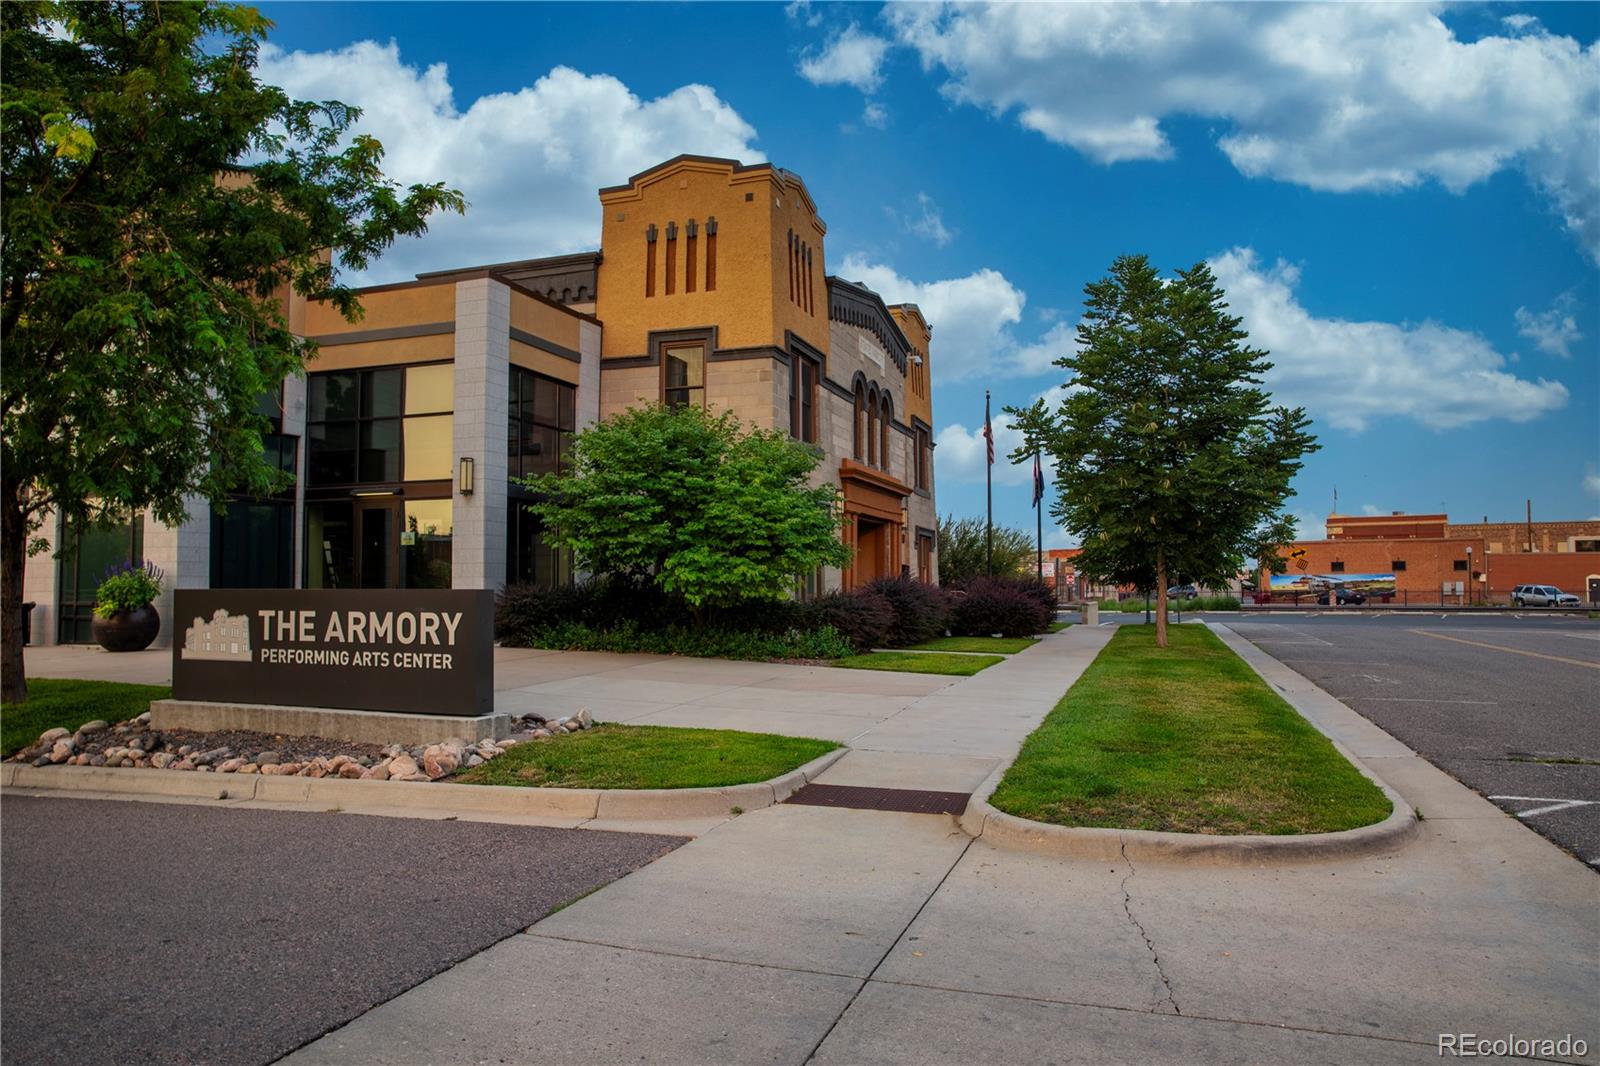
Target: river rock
{"points": [[267, 758], [402, 766], [440, 762], [62, 750], [50, 736]]}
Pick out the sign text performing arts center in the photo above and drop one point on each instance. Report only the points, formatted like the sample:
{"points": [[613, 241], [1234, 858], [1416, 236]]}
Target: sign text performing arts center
{"points": [[420, 651]]}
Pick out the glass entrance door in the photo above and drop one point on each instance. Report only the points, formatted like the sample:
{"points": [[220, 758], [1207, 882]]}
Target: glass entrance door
{"points": [[375, 566], [353, 544]]}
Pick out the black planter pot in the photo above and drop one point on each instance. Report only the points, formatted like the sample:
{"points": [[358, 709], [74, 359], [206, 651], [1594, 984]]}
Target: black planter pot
{"points": [[128, 630]]}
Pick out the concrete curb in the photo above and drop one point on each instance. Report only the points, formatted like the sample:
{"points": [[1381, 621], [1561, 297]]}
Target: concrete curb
{"points": [[585, 803], [985, 822]]}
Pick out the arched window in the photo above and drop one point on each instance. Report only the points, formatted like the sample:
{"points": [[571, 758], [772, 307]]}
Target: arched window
{"points": [[874, 425], [886, 415], [860, 449]]}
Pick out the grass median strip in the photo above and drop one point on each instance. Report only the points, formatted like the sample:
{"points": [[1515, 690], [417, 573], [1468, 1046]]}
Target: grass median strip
{"points": [[997, 645], [1186, 739], [920, 662], [68, 704], [647, 756]]}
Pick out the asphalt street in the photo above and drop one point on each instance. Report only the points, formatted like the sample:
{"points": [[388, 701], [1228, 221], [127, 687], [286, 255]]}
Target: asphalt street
{"points": [[147, 932], [1506, 704]]}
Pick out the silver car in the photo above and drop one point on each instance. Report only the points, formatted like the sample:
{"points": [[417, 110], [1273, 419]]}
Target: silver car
{"points": [[1542, 596]]}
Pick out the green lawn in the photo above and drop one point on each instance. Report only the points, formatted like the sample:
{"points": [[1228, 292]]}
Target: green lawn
{"points": [[1187, 739], [647, 756], [69, 704], [1056, 627], [913, 662], [998, 645]]}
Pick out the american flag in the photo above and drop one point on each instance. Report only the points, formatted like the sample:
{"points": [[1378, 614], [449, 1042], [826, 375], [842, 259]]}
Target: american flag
{"points": [[988, 431], [1038, 480]]}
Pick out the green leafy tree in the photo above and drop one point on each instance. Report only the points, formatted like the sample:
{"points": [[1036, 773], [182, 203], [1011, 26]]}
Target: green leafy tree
{"points": [[1170, 459], [963, 545], [710, 511], [145, 273]]}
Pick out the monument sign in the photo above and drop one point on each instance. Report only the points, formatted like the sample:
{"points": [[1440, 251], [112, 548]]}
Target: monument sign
{"points": [[420, 651]]}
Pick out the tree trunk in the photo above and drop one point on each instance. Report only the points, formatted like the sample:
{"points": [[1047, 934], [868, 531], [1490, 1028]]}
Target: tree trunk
{"points": [[13, 558], [1161, 599]]}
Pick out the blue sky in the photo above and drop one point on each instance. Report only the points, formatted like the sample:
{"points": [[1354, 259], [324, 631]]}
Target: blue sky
{"points": [[1403, 201]]}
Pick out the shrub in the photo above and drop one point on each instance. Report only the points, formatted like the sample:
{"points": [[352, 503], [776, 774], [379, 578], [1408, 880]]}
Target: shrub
{"points": [[601, 603], [863, 617], [921, 611], [706, 642], [1003, 606], [127, 587]]}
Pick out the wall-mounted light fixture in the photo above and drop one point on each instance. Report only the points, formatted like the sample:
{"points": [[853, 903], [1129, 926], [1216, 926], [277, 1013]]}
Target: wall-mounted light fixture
{"points": [[464, 476]]}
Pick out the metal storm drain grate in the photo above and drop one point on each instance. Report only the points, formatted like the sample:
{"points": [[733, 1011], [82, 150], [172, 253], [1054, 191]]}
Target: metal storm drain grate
{"points": [[864, 798]]}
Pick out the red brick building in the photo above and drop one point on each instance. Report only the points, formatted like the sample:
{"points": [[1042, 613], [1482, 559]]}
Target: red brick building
{"points": [[1426, 558]]}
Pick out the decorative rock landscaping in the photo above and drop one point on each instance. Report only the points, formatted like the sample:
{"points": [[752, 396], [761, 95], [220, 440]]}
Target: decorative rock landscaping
{"points": [[134, 744]]}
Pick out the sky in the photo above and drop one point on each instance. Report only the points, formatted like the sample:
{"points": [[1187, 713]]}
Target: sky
{"points": [[1401, 201]]}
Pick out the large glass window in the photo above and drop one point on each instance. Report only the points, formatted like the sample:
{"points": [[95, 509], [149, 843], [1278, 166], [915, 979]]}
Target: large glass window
{"points": [[380, 426], [252, 545], [542, 418], [252, 538], [684, 375], [530, 558], [802, 398], [924, 455], [91, 551], [425, 543]]}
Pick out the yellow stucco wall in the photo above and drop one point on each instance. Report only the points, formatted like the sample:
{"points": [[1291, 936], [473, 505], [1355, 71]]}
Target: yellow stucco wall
{"points": [[543, 319], [387, 307], [750, 305]]}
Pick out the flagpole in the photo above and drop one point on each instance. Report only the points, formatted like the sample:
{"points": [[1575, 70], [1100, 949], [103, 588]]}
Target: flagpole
{"points": [[988, 489]]}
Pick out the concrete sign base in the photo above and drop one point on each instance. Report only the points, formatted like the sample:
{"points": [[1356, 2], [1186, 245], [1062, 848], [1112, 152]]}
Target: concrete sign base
{"points": [[373, 727]]}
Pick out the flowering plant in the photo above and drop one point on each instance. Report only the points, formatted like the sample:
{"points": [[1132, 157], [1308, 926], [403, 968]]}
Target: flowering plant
{"points": [[127, 587]]}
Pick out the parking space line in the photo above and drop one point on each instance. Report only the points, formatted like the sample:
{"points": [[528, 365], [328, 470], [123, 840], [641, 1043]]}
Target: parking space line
{"points": [[1553, 804], [1513, 651], [1421, 699]]}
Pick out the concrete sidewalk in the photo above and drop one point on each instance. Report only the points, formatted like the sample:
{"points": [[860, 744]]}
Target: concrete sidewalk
{"points": [[797, 934]]}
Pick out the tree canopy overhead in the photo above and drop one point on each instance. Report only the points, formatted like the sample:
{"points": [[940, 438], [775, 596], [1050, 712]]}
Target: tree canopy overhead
{"points": [[1170, 459], [709, 510], [145, 268]]}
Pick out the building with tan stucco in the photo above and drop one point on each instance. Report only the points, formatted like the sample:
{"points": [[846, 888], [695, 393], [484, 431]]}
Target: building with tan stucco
{"points": [[710, 287]]}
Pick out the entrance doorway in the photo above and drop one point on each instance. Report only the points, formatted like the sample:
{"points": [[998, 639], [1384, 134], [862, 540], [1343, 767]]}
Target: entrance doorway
{"points": [[353, 544], [871, 550]]}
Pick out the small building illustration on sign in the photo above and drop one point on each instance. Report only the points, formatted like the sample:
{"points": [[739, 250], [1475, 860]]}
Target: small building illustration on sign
{"points": [[226, 638]]}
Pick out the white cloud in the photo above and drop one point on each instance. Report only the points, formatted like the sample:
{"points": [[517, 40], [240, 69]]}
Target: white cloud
{"points": [[1370, 509], [1336, 97], [801, 11], [972, 316], [927, 221], [961, 451], [849, 58], [1348, 373], [875, 115], [1309, 525], [1554, 330], [528, 161], [1591, 483]]}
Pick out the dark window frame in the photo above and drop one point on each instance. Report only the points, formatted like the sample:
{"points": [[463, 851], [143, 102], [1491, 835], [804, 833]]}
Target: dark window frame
{"points": [[1336, 567], [361, 418]]}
